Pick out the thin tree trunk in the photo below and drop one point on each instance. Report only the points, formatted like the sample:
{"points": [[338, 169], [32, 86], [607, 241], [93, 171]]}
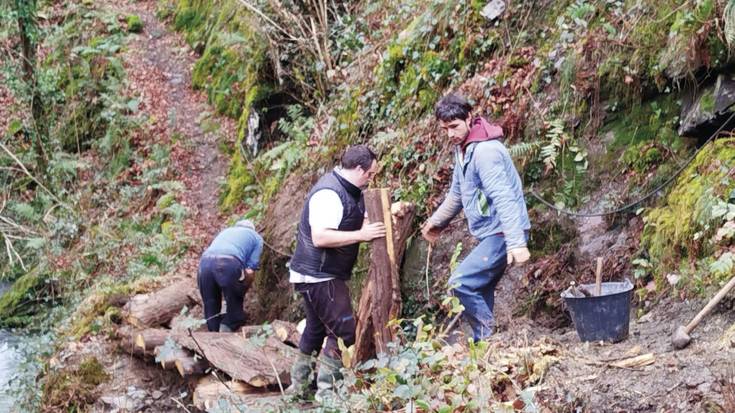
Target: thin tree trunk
{"points": [[26, 10]]}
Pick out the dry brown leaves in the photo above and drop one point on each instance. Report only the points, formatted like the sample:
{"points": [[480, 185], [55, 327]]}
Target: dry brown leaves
{"points": [[509, 98]]}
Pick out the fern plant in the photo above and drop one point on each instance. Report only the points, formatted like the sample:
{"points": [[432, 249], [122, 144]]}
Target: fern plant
{"points": [[556, 138]]}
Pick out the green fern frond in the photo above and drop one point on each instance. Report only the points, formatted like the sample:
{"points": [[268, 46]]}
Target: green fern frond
{"points": [[524, 149]]}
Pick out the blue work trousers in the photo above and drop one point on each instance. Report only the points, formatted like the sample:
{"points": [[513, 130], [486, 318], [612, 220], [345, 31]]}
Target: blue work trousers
{"points": [[475, 279]]}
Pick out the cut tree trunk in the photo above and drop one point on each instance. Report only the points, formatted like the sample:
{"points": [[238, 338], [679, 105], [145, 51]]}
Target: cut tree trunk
{"points": [[286, 332], [209, 390], [148, 339], [381, 296], [167, 359], [159, 307], [126, 340], [257, 361]]}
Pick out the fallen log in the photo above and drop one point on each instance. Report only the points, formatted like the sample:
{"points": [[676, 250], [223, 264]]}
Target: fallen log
{"points": [[380, 301], [167, 358], [210, 390], [148, 339], [256, 361], [286, 332], [126, 336], [159, 307]]}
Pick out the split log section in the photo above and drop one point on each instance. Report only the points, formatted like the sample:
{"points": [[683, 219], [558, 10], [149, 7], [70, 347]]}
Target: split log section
{"points": [[380, 301]]}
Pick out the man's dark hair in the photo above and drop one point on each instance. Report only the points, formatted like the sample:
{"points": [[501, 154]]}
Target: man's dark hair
{"points": [[358, 155], [452, 107]]}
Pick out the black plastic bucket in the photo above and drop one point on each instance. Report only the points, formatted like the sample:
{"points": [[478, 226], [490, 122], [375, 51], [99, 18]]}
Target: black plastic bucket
{"points": [[602, 318]]}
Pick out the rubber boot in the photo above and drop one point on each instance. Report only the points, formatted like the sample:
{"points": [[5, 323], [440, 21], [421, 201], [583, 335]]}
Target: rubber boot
{"points": [[302, 374], [329, 373]]}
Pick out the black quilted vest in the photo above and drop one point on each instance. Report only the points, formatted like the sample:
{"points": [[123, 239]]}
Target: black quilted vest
{"points": [[330, 262]]}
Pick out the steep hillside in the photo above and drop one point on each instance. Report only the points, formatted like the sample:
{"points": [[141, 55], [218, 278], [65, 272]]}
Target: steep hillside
{"points": [[141, 128]]}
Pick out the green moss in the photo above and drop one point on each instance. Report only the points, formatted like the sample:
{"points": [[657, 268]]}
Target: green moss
{"points": [[18, 302], [71, 389], [642, 156], [134, 23], [418, 62], [100, 308], [707, 103], [652, 120], [669, 233]]}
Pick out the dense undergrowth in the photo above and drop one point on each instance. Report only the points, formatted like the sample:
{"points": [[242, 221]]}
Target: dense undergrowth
{"points": [[89, 211]]}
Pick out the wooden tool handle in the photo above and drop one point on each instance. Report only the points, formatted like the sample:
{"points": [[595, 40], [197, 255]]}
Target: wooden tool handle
{"points": [[598, 277], [710, 305]]}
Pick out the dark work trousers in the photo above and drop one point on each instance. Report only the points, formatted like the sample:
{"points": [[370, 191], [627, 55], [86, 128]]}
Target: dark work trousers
{"points": [[220, 275], [328, 314]]}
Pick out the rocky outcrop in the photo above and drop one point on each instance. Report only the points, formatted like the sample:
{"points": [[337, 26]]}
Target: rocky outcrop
{"points": [[704, 109]]}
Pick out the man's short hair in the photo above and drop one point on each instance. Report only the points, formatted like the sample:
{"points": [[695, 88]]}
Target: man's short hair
{"points": [[452, 107], [358, 155]]}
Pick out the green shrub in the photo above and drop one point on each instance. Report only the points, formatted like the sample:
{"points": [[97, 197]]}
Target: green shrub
{"points": [[134, 23]]}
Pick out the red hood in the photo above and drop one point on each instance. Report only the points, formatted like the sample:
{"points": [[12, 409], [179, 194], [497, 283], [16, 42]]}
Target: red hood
{"points": [[482, 130]]}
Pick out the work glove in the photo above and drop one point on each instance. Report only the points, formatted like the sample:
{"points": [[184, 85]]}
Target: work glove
{"points": [[518, 255]]}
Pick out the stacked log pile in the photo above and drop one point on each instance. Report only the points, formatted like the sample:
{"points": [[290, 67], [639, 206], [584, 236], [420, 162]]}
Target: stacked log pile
{"points": [[248, 365]]}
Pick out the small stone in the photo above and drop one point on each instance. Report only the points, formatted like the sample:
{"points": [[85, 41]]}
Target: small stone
{"points": [[673, 279], [493, 9], [120, 402], [156, 394]]}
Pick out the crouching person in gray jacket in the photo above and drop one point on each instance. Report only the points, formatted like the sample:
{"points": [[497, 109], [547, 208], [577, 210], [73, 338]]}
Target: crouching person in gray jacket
{"points": [[227, 268]]}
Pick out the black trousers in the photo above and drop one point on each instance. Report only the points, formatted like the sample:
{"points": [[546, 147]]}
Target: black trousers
{"points": [[328, 314], [220, 276]]}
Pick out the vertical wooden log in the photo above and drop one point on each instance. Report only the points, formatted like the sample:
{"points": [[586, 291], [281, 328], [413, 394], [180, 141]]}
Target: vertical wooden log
{"points": [[381, 296], [382, 266]]}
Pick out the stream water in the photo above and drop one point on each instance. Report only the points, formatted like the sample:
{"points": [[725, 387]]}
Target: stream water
{"points": [[9, 361]]}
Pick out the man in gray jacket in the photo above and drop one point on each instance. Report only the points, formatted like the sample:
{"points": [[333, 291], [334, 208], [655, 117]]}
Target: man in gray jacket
{"points": [[486, 185]]}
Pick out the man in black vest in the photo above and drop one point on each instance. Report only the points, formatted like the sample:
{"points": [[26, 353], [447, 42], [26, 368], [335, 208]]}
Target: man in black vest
{"points": [[333, 223]]}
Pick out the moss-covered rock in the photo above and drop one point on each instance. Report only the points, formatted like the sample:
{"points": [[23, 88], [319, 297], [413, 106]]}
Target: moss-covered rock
{"points": [[17, 304], [71, 389], [680, 229]]}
